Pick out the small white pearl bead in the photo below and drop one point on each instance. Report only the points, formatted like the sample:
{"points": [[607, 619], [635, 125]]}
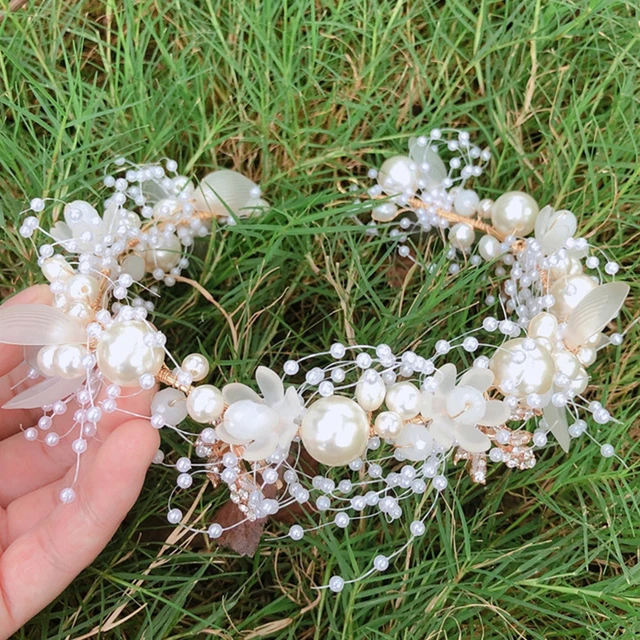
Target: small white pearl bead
{"points": [[607, 450], [296, 532], [67, 495], [440, 483], [174, 516], [336, 584], [381, 563]]}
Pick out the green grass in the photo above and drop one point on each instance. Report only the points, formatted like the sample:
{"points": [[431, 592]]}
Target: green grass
{"points": [[303, 96]]}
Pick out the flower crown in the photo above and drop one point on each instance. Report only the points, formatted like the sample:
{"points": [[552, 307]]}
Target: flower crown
{"points": [[380, 427]]}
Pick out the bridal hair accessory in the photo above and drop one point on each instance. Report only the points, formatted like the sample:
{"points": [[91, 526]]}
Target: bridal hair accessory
{"points": [[381, 428]]}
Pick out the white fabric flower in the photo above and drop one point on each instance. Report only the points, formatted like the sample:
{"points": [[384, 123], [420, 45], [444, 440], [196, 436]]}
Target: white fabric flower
{"points": [[554, 228], [415, 442], [84, 225], [260, 424], [456, 410], [430, 168]]}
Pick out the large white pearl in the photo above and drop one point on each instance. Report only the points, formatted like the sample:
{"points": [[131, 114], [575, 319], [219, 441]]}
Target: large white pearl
{"points": [[568, 292], [205, 403], [466, 202], [171, 404], [461, 236], [370, 391], [489, 248], [45, 360], [335, 430], [123, 354], [398, 175], [196, 365], [82, 288], [566, 363], [388, 424], [544, 325], [580, 382], [165, 256], [515, 213], [405, 399], [587, 356], [521, 372], [67, 361], [484, 207]]}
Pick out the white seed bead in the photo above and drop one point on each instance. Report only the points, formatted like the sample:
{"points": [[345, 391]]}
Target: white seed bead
{"points": [[174, 516], [607, 450], [381, 563], [296, 532], [336, 584], [67, 495]]}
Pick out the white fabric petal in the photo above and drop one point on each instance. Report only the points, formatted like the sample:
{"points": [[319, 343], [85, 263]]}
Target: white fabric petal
{"points": [[236, 391], [472, 440], [61, 232], [225, 436], [496, 413], [222, 192], [480, 379], [556, 418], [415, 442], [38, 324], [426, 408], [288, 432], [442, 429], [447, 380], [45, 392], [594, 312], [261, 448], [90, 219], [465, 405], [425, 155], [253, 207], [270, 385], [543, 222], [109, 217]]}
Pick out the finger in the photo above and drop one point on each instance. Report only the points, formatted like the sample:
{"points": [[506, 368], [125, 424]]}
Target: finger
{"points": [[12, 355], [13, 369], [26, 466], [10, 384], [41, 563]]}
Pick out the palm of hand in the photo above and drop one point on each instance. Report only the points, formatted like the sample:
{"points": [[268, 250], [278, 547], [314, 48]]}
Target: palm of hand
{"points": [[44, 544]]}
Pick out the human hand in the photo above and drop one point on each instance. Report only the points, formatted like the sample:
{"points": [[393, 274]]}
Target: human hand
{"points": [[45, 544]]}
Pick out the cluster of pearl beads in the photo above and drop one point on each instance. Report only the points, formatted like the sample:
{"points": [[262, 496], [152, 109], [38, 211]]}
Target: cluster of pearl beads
{"points": [[151, 218], [349, 423]]}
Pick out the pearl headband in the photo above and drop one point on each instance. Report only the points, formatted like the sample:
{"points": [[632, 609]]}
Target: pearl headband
{"points": [[389, 423]]}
